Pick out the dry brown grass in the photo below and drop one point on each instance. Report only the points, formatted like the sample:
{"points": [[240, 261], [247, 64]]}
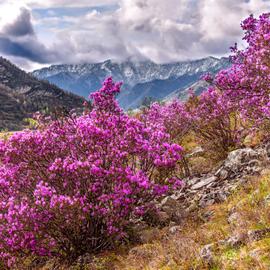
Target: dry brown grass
{"points": [[181, 250]]}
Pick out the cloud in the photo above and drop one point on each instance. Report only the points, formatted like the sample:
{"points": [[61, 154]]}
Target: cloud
{"points": [[21, 26], [18, 39], [29, 49], [162, 31], [66, 3]]}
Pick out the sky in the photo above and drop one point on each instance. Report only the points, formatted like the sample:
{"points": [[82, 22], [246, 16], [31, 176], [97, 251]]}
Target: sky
{"points": [[37, 33]]}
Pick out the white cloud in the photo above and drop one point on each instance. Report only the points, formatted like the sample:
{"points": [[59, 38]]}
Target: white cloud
{"points": [[160, 30], [58, 3]]}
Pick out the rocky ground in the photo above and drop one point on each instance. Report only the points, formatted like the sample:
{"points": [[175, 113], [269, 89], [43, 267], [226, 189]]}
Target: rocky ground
{"points": [[216, 186]]}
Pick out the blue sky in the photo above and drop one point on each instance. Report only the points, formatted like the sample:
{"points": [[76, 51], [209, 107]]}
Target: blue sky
{"points": [[36, 33], [71, 11]]}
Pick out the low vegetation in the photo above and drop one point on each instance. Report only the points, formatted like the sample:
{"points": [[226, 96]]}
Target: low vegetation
{"points": [[245, 211]]}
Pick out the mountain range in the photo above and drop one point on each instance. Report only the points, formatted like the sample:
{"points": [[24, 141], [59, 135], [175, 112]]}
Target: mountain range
{"points": [[21, 95], [141, 79]]}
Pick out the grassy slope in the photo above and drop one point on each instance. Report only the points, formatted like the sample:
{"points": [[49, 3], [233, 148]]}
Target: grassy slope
{"points": [[167, 251]]}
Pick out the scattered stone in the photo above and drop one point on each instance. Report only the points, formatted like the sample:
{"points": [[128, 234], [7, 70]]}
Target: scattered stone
{"points": [[241, 160], [205, 203], [204, 182], [196, 152], [237, 240], [192, 181], [234, 218], [179, 215], [174, 229], [257, 235], [221, 196], [206, 253], [222, 174], [170, 206], [168, 202], [255, 253], [267, 199], [178, 195], [267, 149]]}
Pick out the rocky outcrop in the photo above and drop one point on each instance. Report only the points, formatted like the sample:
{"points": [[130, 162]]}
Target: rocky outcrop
{"points": [[214, 187]]}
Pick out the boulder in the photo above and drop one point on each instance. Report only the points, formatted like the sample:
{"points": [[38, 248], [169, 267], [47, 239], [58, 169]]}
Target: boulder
{"points": [[237, 240], [175, 229], [267, 150], [241, 161], [256, 235], [206, 253], [204, 182]]}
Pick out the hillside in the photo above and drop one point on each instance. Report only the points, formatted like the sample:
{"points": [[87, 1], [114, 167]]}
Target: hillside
{"points": [[12, 112], [22, 95], [143, 79], [183, 94]]}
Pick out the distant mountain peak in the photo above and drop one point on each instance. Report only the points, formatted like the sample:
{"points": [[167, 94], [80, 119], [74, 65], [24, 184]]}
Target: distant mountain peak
{"points": [[141, 78]]}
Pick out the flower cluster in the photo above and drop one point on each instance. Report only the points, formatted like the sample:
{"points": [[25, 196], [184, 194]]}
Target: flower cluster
{"points": [[172, 118], [247, 81], [73, 185]]}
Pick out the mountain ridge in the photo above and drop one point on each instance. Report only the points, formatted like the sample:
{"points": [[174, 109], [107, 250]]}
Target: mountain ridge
{"points": [[21, 95], [141, 79]]}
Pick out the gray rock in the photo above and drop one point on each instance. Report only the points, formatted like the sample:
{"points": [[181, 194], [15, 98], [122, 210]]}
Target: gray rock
{"points": [[237, 240], [257, 235], [196, 151], [193, 181], [175, 229], [221, 196], [204, 182], [202, 191], [178, 195], [234, 218], [204, 203], [267, 149], [240, 160], [206, 253], [222, 173], [267, 199], [169, 205]]}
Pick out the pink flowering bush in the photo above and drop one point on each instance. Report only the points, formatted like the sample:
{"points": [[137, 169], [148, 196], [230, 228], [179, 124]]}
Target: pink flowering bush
{"points": [[174, 119], [247, 82], [73, 185], [237, 103], [217, 123]]}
